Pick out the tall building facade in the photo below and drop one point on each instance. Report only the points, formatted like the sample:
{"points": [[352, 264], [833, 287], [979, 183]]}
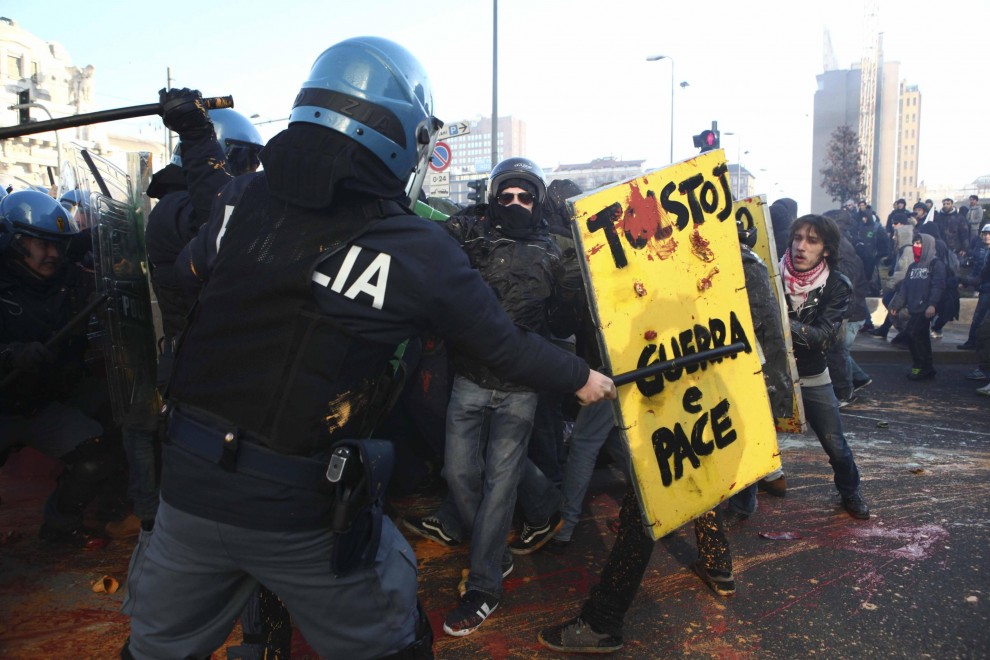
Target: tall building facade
{"points": [[909, 127], [838, 103]]}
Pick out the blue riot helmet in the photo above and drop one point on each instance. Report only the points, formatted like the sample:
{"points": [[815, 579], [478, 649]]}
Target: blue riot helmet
{"points": [[376, 93], [77, 205], [517, 168], [33, 213], [240, 140]]}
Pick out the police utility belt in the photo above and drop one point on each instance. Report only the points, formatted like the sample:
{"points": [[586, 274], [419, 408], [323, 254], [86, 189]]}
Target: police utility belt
{"points": [[356, 476]]}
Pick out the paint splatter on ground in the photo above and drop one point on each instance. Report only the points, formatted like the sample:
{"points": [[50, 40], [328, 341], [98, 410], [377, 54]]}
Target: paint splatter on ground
{"points": [[910, 582]]}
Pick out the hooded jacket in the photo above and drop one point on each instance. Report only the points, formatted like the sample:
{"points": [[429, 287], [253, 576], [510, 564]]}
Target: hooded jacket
{"points": [[783, 212], [924, 281]]}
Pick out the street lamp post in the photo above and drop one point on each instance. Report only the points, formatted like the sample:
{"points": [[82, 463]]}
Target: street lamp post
{"points": [[656, 58], [58, 143]]}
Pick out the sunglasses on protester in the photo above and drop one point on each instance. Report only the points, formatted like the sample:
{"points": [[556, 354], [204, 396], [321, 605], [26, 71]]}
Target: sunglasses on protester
{"points": [[506, 198]]}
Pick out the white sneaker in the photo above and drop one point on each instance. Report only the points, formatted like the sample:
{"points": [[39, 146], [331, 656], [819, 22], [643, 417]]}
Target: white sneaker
{"points": [[985, 390]]}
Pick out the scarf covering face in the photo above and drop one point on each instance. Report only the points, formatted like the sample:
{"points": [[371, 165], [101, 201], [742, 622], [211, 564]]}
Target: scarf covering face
{"points": [[798, 284]]}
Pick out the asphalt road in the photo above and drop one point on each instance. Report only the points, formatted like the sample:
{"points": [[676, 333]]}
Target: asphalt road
{"points": [[912, 582]]}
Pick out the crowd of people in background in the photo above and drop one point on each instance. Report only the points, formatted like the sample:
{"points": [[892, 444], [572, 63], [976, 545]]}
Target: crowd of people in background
{"points": [[487, 427]]}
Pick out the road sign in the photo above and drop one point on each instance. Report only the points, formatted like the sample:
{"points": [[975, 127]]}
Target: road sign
{"points": [[439, 183], [454, 129], [441, 157]]}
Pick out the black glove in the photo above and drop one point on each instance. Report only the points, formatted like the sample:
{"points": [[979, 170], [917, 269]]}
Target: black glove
{"points": [[183, 112], [28, 357]]}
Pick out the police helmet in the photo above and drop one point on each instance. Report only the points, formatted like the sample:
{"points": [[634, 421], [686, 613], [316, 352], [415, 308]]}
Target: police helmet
{"points": [[77, 205], [517, 168], [377, 93], [240, 140], [33, 213]]}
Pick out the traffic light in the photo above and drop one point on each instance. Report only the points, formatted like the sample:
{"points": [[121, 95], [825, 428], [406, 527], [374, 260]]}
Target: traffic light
{"points": [[478, 190], [24, 112], [707, 140]]}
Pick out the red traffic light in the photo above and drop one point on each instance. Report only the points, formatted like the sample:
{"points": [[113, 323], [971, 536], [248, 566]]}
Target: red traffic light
{"points": [[707, 140]]}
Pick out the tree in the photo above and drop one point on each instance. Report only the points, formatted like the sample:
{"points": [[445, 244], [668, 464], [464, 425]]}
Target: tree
{"points": [[843, 174]]}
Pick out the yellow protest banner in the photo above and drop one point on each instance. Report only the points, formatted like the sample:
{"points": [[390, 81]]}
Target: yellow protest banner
{"points": [[754, 210], [665, 280]]}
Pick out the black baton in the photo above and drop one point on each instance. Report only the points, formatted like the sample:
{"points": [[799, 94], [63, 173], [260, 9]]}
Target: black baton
{"points": [[676, 363]]}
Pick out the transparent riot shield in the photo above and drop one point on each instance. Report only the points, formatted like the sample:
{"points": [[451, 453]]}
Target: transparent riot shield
{"points": [[124, 329]]}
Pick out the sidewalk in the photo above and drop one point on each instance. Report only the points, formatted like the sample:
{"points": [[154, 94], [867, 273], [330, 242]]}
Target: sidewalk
{"points": [[870, 348]]}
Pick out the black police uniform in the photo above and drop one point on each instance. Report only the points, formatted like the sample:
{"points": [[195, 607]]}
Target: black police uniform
{"points": [[58, 408], [284, 355]]}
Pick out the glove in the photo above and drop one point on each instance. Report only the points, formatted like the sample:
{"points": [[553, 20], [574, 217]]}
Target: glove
{"points": [[183, 112], [28, 357]]}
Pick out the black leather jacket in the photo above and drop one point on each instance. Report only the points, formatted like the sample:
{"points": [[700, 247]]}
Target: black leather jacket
{"points": [[817, 324]]}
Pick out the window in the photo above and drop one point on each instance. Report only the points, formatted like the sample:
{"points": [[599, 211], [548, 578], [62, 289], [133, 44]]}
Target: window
{"points": [[14, 66]]}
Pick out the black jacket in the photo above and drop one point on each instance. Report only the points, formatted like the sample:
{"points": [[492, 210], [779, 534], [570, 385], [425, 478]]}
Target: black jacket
{"points": [[851, 266], [34, 311], [817, 324], [527, 277]]}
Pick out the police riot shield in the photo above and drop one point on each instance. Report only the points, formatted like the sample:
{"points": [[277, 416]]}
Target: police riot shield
{"points": [[112, 209]]}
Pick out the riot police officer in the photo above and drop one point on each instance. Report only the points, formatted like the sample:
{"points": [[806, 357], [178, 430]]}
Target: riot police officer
{"points": [[314, 271], [48, 400]]}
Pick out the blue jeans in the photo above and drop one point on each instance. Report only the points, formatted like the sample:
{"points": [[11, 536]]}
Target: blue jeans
{"points": [[482, 471], [856, 372], [591, 431], [822, 410]]}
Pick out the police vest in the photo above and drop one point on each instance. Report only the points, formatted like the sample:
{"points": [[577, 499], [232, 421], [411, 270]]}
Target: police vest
{"points": [[259, 353]]}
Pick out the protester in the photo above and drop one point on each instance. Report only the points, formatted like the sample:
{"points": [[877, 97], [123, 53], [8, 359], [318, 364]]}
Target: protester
{"points": [[920, 292]]}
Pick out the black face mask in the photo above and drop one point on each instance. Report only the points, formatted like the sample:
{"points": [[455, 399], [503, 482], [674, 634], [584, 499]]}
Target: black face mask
{"points": [[514, 220]]}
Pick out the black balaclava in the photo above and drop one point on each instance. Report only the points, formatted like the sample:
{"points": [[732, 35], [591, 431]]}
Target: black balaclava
{"points": [[515, 221]]}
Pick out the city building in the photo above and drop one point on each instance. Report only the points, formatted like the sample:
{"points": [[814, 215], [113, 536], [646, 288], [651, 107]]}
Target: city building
{"points": [[55, 88], [894, 119]]}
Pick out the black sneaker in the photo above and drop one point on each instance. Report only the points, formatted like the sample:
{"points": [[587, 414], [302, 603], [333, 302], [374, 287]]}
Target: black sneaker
{"points": [[967, 346], [533, 537], [856, 507], [432, 528], [860, 384], [475, 607], [848, 401], [576, 636], [721, 583], [921, 374]]}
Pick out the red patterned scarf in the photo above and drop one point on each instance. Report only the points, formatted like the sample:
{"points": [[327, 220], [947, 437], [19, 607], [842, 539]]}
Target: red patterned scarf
{"points": [[798, 284]]}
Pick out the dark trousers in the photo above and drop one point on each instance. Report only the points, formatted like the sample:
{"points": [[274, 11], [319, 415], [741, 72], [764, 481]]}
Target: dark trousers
{"points": [[920, 341], [605, 610]]}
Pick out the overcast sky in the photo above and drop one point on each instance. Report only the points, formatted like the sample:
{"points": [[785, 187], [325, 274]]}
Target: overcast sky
{"points": [[575, 71]]}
